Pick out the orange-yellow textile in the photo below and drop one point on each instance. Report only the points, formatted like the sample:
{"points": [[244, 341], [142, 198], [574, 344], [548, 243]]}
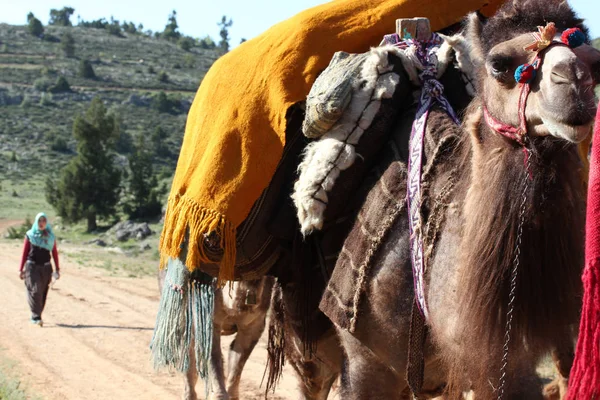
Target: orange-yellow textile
{"points": [[235, 130]]}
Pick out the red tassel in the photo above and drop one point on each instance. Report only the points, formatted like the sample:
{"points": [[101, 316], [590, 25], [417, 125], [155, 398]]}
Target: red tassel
{"points": [[584, 381]]}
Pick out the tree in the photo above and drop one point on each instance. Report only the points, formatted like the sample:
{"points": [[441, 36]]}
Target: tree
{"points": [[61, 17], [243, 40], [61, 86], [171, 31], [86, 70], [158, 142], [207, 43], [34, 25], [163, 77], [67, 43], [144, 193], [89, 186], [224, 33], [186, 43]]}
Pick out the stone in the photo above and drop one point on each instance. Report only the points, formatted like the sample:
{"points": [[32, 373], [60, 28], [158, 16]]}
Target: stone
{"points": [[128, 229]]}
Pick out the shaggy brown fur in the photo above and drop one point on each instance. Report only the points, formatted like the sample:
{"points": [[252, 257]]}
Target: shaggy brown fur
{"points": [[518, 16], [548, 290], [468, 270]]}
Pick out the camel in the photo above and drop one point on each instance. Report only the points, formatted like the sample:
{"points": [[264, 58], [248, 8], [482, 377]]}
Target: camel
{"points": [[477, 192]]}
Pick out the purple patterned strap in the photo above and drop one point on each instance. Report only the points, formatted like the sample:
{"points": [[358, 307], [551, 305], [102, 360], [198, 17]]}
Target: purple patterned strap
{"points": [[432, 92]]}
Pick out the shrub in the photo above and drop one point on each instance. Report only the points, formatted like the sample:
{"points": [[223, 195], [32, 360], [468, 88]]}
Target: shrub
{"points": [[67, 44], [186, 43], [114, 29], [26, 102], [86, 70], [189, 61], [163, 77], [207, 43], [61, 86], [60, 145], [13, 157], [151, 69], [42, 84], [161, 103], [19, 231], [15, 194], [46, 99]]}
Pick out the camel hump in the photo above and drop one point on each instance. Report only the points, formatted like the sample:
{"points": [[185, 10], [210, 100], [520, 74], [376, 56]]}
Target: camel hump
{"points": [[415, 28]]}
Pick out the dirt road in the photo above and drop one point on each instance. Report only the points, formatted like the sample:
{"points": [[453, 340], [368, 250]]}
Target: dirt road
{"points": [[94, 344]]}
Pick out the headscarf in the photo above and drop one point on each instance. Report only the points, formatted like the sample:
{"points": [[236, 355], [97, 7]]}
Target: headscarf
{"points": [[41, 238]]}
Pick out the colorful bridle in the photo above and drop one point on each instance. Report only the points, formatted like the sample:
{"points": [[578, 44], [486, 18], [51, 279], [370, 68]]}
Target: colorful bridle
{"points": [[526, 73]]}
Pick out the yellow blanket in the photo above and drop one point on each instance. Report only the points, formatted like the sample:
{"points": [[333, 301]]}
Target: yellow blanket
{"points": [[235, 130]]}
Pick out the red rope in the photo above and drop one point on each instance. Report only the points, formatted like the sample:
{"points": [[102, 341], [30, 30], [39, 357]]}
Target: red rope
{"points": [[584, 382]]}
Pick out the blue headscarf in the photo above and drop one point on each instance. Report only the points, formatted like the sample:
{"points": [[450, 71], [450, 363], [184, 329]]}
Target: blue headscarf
{"points": [[41, 238]]}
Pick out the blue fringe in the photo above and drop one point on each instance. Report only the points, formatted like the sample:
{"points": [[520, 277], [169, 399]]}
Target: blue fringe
{"points": [[185, 313]]}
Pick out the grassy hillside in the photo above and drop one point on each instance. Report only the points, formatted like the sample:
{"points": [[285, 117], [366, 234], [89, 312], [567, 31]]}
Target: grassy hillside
{"points": [[130, 72]]}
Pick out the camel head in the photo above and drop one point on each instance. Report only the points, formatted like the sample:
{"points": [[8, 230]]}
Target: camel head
{"points": [[561, 101]]}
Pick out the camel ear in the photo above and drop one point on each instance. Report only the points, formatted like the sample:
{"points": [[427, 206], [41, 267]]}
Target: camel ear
{"points": [[591, 57], [473, 35]]}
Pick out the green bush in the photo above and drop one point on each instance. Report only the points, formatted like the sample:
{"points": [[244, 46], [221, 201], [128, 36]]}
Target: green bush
{"points": [[42, 84], [114, 29], [13, 157], [189, 61], [19, 233], [67, 44], [26, 102], [61, 86], [186, 43], [86, 70], [46, 99], [207, 43], [162, 103], [60, 145], [151, 69], [163, 77]]}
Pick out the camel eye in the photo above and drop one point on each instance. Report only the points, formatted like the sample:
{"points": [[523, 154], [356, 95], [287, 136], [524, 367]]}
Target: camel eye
{"points": [[499, 66]]}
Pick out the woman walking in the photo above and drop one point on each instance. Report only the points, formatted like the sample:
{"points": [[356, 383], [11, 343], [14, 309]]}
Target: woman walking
{"points": [[35, 267]]}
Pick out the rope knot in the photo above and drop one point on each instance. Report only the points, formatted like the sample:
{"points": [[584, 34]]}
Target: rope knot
{"points": [[433, 87]]}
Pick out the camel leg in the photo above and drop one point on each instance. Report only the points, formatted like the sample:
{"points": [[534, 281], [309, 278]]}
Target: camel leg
{"points": [[315, 374], [240, 350], [216, 374], [364, 376], [563, 360], [190, 378]]}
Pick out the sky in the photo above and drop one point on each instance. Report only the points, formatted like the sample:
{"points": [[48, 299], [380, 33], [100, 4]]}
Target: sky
{"points": [[199, 18]]}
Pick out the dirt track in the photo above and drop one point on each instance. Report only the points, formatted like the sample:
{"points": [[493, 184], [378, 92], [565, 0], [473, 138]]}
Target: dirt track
{"points": [[94, 344]]}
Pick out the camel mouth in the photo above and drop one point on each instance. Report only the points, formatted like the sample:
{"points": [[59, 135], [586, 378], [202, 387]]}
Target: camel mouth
{"points": [[573, 133]]}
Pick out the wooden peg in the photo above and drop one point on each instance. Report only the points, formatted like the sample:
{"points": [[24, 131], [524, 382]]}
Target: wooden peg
{"points": [[418, 28]]}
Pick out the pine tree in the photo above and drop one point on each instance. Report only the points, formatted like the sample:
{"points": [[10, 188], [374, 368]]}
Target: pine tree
{"points": [[171, 31], [144, 197], [34, 25], [89, 186], [86, 70], [224, 33]]}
